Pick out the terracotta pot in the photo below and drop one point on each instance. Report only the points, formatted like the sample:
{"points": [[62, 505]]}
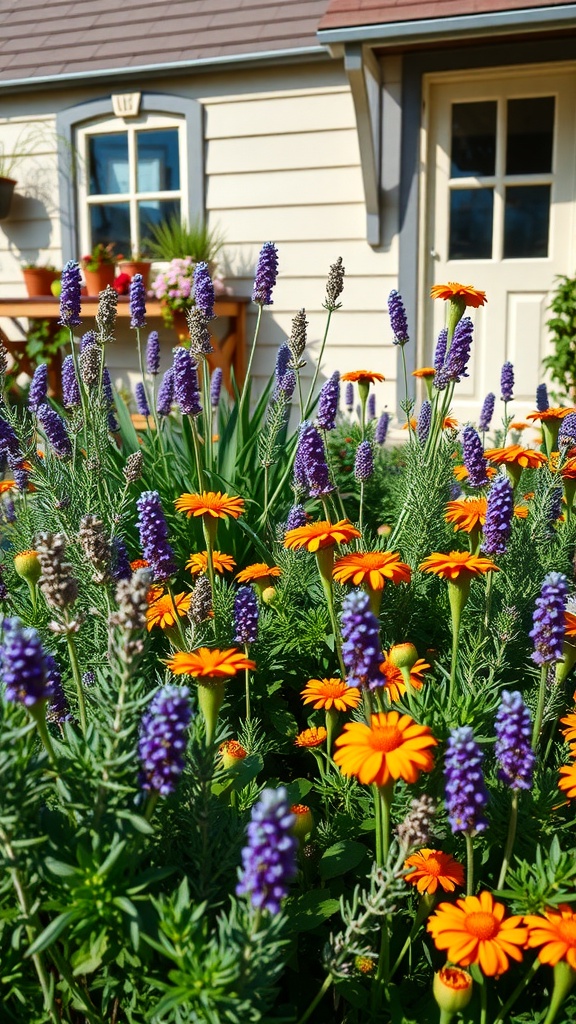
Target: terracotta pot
{"points": [[7, 186], [98, 280], [39, 279], [132, 267]]}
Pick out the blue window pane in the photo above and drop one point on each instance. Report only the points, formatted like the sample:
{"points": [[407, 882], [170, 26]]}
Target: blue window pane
{"points": [[471, 224], [110, 222], [530, 135], [158, 168], [108, 164], [152, 212], [473, 152], [526, 222]]}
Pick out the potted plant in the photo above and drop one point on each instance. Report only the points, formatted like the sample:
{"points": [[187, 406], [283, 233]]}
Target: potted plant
{"points": [[139, 264], [174, 288], [39, 279], [174, 239], [99, 267]]}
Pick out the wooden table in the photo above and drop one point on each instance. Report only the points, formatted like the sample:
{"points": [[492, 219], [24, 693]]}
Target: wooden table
{"points": [[229, 350]]}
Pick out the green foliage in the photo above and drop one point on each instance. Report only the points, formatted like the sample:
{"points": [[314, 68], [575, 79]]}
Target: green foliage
{"points": [[175, 239], [562, 327]]}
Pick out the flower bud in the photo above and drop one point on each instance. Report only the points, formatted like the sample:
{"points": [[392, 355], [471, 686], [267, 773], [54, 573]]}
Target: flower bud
{"points": [[403, 656], [304, 822], [269, 595], [27, 566], [364, 964], [452, 989], [232, 753]]}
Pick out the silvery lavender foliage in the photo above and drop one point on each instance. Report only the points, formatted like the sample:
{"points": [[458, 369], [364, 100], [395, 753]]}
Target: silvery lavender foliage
{"points": [[23, 664], [165, 396], [487, 412], [186, 387], [398, 319], [106, 315], [548, 619], [120, 562], [55, 430], [133, 468], [440, 351], [200, 344], [297, 339], [201, 601], [456, 360], [424, 421], [513, 727], [153, 353], [266, 274], [38, 390], [215, 387], [296, 517], [204, 291], [70, 295], [245, 616], [153, 531], [90, 363], [57, 584], [499, 513], [269, 858], [162, 743], [371, 407], [141, 400], [137, 302], [466, 793], [310, 466], [542, 400], [70, 389], [328, 400], [567, 432], [473, 455], [507, 382], [349, 396], [361, 649], [334, 285], [363, 462], [416, 828], [382, 428]]}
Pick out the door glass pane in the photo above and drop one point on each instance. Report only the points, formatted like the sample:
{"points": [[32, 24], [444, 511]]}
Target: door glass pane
{"points": [[471, 224], [158, 160], [473, 139], [526, 220], [530, 135], [154, 211], [110, 222], [108, 164]]}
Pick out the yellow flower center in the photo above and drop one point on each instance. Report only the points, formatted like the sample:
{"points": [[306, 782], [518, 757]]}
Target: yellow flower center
{"points": [[432, 866], [567, 931], [482, 925], [386, 738]]}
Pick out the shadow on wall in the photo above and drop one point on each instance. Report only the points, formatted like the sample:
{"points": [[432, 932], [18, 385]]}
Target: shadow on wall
{"points": [[28, 228]]}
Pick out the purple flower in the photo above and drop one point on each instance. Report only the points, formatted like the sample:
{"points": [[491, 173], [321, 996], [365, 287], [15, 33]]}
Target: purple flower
{"points": [[499, 512], [440, 352], [542, 401], [567, 432], [310, 466], [215, 387], [269, 857], [165, 393], [361, 648], [153, 353], [245, 616], [137, 302], [554, 505], [513, 748], [424, 421], [141, 400], [398, 319], [363, 462], [507, 382], [55, 430], [38, 390], [328, 400], [473, 455], [466, 793], [371, 407], [120, 568], [4, 594], [266, 274], [296, 517], [87, 339], [548, 619], [382, 428], [456, 360], [349, 396], [284, 377], [70, 389], [162, 742], [70, 295], [57, 709], [9, 444], [107, 386], [204, 290], [23, 664], [186, 387], [153, 531], [487, 412]]}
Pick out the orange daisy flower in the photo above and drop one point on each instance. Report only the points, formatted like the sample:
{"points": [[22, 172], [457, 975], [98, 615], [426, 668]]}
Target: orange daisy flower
{"points": [[213, 504], [555, 932], [139, 563], [394, 681], [372, 567], [6, 485], [313, 737], [425, 371], [209, 663], [198, 563], [568, 780], [518, 425], [474, 931], [568, 471], [569, 624], [392, 747], [449, 423], [362, 376], [461, 473], [411, 424], [515, 455], [569, 732], [162, 611], [453, 290], [331, 693], [258, 571], [433, 868], [549, 414], [323, 534], [231, 753], [469, 513], [456, 564]]}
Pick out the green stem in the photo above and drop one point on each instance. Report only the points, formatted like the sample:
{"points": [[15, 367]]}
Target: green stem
{"points": [[242, 402], [177, 620], [540, 708], [72, 654], [197, 454], [407, 398], [317, 998], [385, 801], [378, 825], [247, 686], [503, 1011], [469, 864], [484, 1002], [308, 407], [38, 713], [361, 518], [512, 824], [210, 560]]}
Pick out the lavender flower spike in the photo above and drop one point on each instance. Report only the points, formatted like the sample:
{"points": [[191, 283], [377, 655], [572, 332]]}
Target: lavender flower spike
{"points": [[55, 430], [141, 400], [269, 857], [507, 382], [23, 664], [328, 400], [38, 391], [361, 648], [153, 531], [363, 462], [456, 360], [499, 513], [513, 748], [310, 466], [487, 412], [424, 421], [349, 396], [548, 619], [371, 407], [70, 389], [398, 320], [153, 353], [137, 302], [186, 387], [9, 443], [542, 400], [245, 616], [70, 295], [440, 351], [204, 291], [215, 387], [473, 455], [296, 517], [382, 428], [165, 393], [466, 793], [162, 743], [266, 274], [567, 432]]}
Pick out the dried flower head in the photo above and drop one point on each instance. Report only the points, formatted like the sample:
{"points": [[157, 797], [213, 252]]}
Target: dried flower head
{"points": [[133, 467], [57, 584], [334, 285], [106, 315], [95, 544], [200, 343]]}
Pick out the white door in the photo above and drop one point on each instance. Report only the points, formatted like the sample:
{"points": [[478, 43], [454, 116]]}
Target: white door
{"points": [[500, 215]]}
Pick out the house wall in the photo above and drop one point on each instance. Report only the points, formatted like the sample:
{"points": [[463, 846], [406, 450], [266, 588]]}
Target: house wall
{"points": [[281, 163]]}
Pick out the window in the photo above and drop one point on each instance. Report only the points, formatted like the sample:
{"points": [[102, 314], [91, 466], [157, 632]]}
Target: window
{"points": [[132, 178]]}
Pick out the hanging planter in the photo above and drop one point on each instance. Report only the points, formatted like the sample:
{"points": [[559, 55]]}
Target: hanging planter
{"points": [[7, 186]]}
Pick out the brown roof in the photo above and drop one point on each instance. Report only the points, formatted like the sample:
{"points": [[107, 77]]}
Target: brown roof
{"points": [[349, 13], [48, 38]]}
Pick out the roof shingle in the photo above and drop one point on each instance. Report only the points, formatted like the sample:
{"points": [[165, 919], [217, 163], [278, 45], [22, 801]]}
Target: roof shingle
{"points": [[351, 13]]}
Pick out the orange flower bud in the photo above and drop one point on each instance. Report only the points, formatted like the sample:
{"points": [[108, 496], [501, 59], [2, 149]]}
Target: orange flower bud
{"points": [[452, 989]]}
